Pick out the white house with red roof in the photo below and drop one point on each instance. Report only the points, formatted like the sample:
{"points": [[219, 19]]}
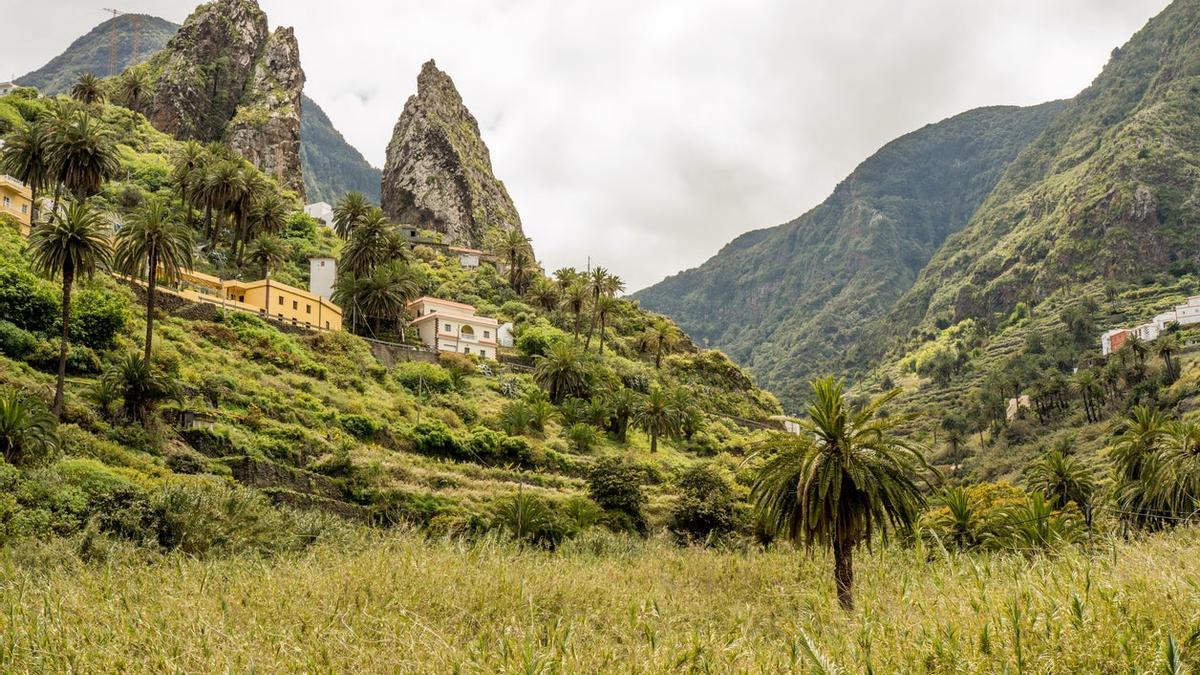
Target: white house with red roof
{"points": [[449, 326]]}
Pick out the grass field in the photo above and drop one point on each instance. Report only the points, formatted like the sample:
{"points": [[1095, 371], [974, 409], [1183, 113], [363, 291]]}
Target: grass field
{"points": [[400, 603]]}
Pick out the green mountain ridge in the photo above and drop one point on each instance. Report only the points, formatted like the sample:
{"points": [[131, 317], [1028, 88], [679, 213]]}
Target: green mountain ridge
{"points": [[789, 302], [332, 167]]}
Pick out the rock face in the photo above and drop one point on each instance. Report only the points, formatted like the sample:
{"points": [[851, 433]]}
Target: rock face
{"points": [[266, 127], [438, 173], [225, 77]]}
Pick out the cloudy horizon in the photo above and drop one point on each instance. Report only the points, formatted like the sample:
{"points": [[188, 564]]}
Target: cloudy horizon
{"points": [[648, 135]]}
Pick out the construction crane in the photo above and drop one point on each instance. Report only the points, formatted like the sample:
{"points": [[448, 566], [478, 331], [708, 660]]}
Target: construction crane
{"points": [[135, 22]]}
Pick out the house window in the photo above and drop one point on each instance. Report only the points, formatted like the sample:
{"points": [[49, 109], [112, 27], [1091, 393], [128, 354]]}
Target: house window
{"points": [[24, 208], [241, 298], [308, 309], [295, 304], [281, 299], [483, 353], [466, 350], [486, 335], [7, 200], [326, 325], [448, 328]]}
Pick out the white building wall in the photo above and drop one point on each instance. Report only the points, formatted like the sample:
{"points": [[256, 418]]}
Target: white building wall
{"points": [[321, 211], [322, 274]]}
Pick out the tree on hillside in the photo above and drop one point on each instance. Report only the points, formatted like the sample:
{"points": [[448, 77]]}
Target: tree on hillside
{"points": [[82, 154], [1063, 479], [72, 245], [574, 301], [153, 245], [268, 252], [133, 86], [142, 387], [1172, 480], [622, 403], [87, 89], [187, 170], [563, 372], [848, 475], [27, 429], [222, 181], [26, 157], [350, 212], [1166, 347], [601, 284], [269, 214], [662, 337], [544, 294], [1134, 452], [604, 307], [1085, 384], [368, 246], [514, 249], [658, 416]]}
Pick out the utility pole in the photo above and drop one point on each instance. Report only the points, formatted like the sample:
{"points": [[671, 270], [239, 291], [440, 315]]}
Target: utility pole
{"points": [[135, 25]]}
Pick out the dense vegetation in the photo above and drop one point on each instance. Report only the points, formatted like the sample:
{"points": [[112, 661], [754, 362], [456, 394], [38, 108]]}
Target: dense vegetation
{"points": [[332, 167], [791, 302]]}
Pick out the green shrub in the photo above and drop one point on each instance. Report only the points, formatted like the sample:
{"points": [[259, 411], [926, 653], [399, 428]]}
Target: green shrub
{"points": [[15, 343], [202, 517], [516, 418], [434, 438], [422, 378], [97, 317], [537, 340], [80, 360], [616, 486], [360, 427], [29, 302], [582, 437], [706, 506]]}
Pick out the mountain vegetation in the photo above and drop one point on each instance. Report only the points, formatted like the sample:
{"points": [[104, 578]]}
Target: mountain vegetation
{"points": [[791, 302], [331, 166]]}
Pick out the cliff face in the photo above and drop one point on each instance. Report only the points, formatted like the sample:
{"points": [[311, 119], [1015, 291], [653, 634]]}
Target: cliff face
{"points": [[266, 127], [438, 173], [225, 77]]}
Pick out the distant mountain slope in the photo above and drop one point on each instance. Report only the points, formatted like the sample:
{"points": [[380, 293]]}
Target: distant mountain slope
{"points": [[1109, 190], [331, 166], [789, 302]]}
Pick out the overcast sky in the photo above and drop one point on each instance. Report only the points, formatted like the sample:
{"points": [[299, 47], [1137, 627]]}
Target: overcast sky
{"points": [[647, 134]]}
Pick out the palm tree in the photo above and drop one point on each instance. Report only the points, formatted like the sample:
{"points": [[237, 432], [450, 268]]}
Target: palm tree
{"points": [[657, 415], [367, 247], [564, 277], [513, 247], [1171, 482], [269, 252], [563, 373], [1088, 387], [26, 428], [153, 244], [26, 157], [544, 294], [602, 285], [1136, 448], [847, 475], [1063, 479], [957, 517], [73, 245], [223, 181], [387, 292], [664, 335], [349, 213], [1138, 348], [187, 172], [1166, 347], [87, 89], [141, 386], [622, 403], [574, 300], [249, 190], [604, 306], [82, 155], [133, 87]]}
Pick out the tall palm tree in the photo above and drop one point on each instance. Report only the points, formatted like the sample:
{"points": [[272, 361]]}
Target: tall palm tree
{"points": [[602, 285], [223, 182], [658, 416], [1063, 479], [72, 245], [154, 245], [26, 157], [623, 403], [187, 171], [368, 245], [564, 277], [605, 305], [387, 292], [26, 428], [1166, 347], [269, 252], [663, 336], [1172, 482], [849, 474], [350, 211], [133, 87], [563, 372], [1088, 387], [1135, 451], [574, 301], [82, 154], [250, 189], [269, 214], [514, 249], [87, 89]]}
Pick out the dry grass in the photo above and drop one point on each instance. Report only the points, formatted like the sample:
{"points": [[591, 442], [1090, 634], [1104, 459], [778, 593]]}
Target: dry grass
{"points": [[403, 604]]}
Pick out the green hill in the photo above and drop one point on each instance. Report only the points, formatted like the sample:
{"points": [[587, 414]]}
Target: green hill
{"points": [[332, 167], [790, 302]]}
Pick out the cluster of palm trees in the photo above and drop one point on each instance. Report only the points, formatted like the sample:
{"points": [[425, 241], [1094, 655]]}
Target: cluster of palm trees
{"points": [[239, 204], [1157, 469], [375, 281]]}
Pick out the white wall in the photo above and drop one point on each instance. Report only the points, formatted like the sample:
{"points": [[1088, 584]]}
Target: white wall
{"points": [[322, 273]]}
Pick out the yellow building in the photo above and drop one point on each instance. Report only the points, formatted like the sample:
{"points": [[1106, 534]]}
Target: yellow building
{"points": [[16, 201], [264, 297]]}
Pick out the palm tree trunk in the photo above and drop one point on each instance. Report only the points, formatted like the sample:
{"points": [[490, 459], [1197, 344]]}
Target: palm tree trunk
{"points": [[602, 335], [843, 573], [658, 354], [33, 195], [151, 283], [653, 442], [68, 281]]}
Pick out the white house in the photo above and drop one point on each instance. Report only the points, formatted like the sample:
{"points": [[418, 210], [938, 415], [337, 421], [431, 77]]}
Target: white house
{"points": [[1189, 312], [1146, 332], [449, 326], [504, 334], [322, 274], [1113, 340], [467, 257], [321, 211]]}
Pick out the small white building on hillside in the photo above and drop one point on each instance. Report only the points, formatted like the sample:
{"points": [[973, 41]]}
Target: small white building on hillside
{"points": [[322, 274], [449, 326], [322, 211]]}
